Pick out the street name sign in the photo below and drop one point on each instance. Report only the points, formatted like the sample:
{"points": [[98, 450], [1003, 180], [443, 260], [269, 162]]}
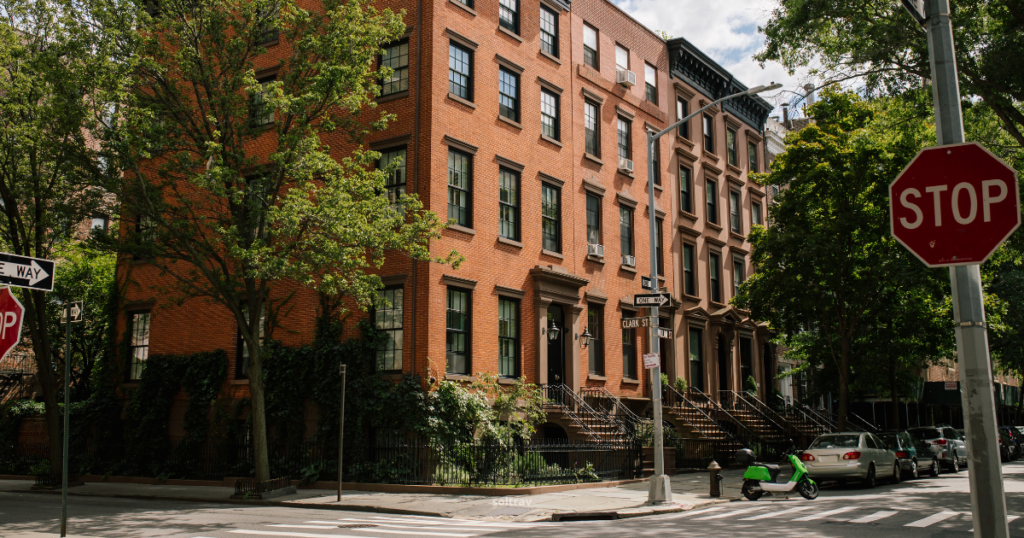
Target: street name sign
{"points": [[651, 360], [12, 313], [954, 205], [636, 323], [26, 272], [664, 333], [77, 312], [651, 299]]}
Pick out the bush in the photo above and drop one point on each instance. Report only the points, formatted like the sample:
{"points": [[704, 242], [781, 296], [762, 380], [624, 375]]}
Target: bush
{"points": [[681, 385]]}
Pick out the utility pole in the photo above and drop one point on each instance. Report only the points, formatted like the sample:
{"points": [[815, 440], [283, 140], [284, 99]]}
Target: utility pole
{"points": [[661, 490], [67, 421], [341, 429]]}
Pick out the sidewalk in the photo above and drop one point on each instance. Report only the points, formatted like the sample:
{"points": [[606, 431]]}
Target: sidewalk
{"points": [[690, 490]]}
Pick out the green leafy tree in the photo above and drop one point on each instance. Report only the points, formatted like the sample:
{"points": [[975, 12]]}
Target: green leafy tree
{"points": [[232, 187]]}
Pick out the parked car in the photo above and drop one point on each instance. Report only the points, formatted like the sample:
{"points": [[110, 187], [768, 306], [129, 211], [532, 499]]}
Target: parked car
{"points": [[915, 457], [949, 444], [1017, 438], [1005, 446], [851, 455]]}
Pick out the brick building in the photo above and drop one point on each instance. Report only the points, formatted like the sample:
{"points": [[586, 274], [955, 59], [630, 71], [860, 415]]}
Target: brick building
{"points": [[522, 120]]}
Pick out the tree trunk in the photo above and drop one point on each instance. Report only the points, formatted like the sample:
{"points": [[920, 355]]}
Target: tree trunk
{"points": [[35, 319], [261, 459], [844, 381], [895, 414]]}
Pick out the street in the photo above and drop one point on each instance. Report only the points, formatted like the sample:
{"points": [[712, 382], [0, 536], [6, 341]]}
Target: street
{"points": [[924, 507]]}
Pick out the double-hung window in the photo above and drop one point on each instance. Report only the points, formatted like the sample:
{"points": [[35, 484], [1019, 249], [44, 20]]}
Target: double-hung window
{"points": [[683, 110], [735, 224], [590, 46], [593, 219], [738, 274], [752, 157], [714, 273], [711, 188], [242, 357], [396, 56], [138, 343], [730, 146], [651, 82], [459, 182], [549, 31], [388, 320], [508, 94], [755, 213], [709, 134], [260, 111], [685, 189], [460, 71], [508, 337], [395, 180], [621, 58], [624, 128], [696, 359], [457, 344], [591, 129], [549, 118], [508, 15], [626, 231], [508, 204], [689, 269], [551, 218], [659, 249], [595, 348], [629, 353]]}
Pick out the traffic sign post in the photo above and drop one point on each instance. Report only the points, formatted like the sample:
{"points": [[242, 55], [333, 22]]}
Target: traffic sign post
{"points": [[966, 204], [77, 312]]}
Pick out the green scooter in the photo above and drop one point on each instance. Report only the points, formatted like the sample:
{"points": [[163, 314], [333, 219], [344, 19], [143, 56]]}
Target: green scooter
{"points": [[760, 477]]}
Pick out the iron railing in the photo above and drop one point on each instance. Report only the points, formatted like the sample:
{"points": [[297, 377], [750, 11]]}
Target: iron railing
{"points": [[252, 487], [733, 400], [588, 420], [612, 409]]}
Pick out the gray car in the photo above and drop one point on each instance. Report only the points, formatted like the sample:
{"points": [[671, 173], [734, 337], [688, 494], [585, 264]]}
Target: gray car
{"points": [[946, 443], [851, 455]]}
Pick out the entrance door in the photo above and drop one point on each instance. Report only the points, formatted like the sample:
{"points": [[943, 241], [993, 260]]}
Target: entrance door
{"points": [[786, 383], [556, 362], [723, 364]]}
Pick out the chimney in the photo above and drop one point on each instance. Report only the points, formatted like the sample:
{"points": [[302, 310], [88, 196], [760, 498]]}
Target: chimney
{"points": [[785, 112], [809, 88]]}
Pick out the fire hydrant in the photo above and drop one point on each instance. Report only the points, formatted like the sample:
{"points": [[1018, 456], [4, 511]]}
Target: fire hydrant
{"points": [[715, 472]]}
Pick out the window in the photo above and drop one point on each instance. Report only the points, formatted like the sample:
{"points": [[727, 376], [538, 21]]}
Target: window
{"points": [[508, 94], [260, 111], [593, 219], [624, 145], [460, 67], [709, 134], [626, 231], [459, 176], [138, 344], [595, 349], [752, 157], [734, 212], [388, 319], [730, 146], [657, 159], [99, 222], [145, 231], [714, 265], [508, 204], [621, 58], [755, 213], [651, 82], [590, 46], [689, 274], [508, 15], [242, 360], [549, 121], [738, 276], [457, 332], [697, 359], [591, 129], [685, 189], [467, 3], [508, 337], [683, 110], [397, 58], [395, 182], [551, 214], [268, 33], [629, 353], [746, 356], [712, 195], [549, 31], [659, 247]]}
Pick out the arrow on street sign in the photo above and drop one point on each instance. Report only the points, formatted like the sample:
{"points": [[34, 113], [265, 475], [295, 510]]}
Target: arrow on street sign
{"points": [[77, 312], [651, 299], [26, 272]]}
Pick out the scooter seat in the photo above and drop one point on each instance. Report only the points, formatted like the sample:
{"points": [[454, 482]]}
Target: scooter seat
{"points": [[773, 469]]}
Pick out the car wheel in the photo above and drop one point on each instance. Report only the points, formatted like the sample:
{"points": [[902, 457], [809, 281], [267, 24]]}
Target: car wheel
{"points": [[914, 473], [896, 475], [870, 481], [935, 468], [955, 466]]}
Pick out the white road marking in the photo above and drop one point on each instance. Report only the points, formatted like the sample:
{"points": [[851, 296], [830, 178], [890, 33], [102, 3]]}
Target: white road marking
{"points": [[732, 513], [823, 515], [1009, 519], [384, 531], [436, 521], [695, 512], [380, 523], [931, 520], [294, 534], [874, 517], [770, 515]]}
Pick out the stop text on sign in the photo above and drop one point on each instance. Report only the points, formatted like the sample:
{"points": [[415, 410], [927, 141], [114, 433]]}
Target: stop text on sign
{"points": [[955, 201]]}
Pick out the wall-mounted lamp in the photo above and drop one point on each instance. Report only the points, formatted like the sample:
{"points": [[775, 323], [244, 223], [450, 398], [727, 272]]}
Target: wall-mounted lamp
{"points": [[585, 337], [553, 331]]}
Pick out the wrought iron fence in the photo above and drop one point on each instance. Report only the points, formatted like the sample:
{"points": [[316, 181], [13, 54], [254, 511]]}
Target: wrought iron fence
{"points": [[252, 487]]}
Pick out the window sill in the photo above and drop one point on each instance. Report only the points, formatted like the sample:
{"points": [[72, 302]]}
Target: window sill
{"points": [[595, 377], [595, 259], [459, 377], [718, 304], [509, 242], [551, 57], [661, 279], [462, 229], [239, 381], [628, 268], [734, 169], [628, 381], [460, 100], [510, 33], [392, 96], [550, 140], [630, 175], [658, 187], [691, 297], [594, 158], [713, 225], [460, 5], [513, 123], [688, 215], [506, 380], [738, 237], [684, 141], [552, 253], [710, 155]]}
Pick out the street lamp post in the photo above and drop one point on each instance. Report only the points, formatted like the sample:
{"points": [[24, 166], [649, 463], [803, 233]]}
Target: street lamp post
{"points": [[661, 491]]}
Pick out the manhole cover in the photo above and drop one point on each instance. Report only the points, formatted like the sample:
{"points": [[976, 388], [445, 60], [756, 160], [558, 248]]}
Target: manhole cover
{"points": [[357, 526], [509, 511]]}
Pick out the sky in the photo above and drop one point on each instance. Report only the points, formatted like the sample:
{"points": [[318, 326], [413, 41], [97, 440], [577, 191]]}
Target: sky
{"points": [[726, 30]]}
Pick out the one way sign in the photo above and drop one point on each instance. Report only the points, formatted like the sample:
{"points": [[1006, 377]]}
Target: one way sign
{"points": [[651, 299], [25, 272]]}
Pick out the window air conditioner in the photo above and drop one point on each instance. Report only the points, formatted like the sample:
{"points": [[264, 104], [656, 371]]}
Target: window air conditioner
{"points": [[628, 260], [595, 250], [626, 78], [626, 164]]}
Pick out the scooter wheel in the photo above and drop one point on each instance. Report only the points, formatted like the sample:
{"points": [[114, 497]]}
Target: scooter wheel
{"points": [[807, 489], [748, 490]]}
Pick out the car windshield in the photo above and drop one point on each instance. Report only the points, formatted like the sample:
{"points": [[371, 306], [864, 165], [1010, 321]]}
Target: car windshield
{"points": [[836, 441], [926, 433]]}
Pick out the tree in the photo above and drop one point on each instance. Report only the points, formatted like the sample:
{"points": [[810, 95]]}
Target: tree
{"points": [[232, 186], [57, 75], [882, 46]]}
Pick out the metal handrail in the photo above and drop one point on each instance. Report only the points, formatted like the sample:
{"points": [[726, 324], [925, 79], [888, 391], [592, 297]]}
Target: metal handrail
{"points": [[738, 397], [675, 399], [797, 409], [827, 416], [572, 406], [863, 424], [603, 401], [742, 435]]}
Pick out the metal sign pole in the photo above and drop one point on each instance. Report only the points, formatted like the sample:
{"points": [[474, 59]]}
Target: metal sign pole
{"points": [[988, 501], [341, 429], [661, 490], [67, 422]]}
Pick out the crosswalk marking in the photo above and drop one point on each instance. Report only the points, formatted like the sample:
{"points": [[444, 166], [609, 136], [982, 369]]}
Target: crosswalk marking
{"points": [[446, 523], [823, 515], [882, 514], [931, 520], [770, 515], [384, 531], [293, 534], [732, 513], [695, 512]]}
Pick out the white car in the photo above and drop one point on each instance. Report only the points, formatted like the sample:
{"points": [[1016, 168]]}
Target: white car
{"points": [[851, 456]]}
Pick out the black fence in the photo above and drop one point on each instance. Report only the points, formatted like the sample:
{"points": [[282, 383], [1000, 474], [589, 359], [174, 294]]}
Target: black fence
{"points": [[252, 487]]}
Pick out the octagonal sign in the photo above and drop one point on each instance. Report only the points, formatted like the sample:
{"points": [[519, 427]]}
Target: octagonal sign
{"points": [[954, 205], [12, 313]]}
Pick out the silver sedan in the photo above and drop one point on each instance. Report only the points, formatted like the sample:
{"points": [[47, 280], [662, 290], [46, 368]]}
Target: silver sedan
{"points": [[850, 455]]}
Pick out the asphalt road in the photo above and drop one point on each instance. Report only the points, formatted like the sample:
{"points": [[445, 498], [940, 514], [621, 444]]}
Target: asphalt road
{"points": [[922, 508]]}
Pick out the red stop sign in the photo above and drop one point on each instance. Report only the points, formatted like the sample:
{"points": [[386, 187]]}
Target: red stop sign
{"points": [[954, 205], [11, 316]]}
